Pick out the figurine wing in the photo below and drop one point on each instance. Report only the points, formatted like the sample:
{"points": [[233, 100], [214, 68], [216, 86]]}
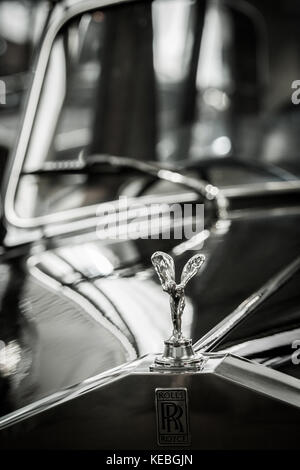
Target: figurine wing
{"points": [[191, 268], [164, 266]]}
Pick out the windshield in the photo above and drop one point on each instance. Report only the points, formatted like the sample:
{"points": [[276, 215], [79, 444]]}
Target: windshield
{"points": [[196, 86]]}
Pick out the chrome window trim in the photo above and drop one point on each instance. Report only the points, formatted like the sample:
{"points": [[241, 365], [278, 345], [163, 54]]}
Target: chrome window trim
{"points": [[60, 16]]}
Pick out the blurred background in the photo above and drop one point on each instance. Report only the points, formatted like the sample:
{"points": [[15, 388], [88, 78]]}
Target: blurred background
{"points": [[21, 26], [170, 81]]}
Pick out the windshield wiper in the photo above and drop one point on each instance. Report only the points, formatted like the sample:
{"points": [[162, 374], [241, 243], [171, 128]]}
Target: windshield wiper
{"points": [[97, 163]]}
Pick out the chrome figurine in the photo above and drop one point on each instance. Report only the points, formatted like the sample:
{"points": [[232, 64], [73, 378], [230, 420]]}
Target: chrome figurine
{"points": [[178, 354]]}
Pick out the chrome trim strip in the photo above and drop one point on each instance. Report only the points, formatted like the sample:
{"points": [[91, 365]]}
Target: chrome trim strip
{"points": [[262, 345], [257, 189], [70, 393], [216, 334], [260, 379], [87, 223], [262, 212]]}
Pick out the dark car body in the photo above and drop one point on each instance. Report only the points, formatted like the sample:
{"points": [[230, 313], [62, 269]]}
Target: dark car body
{"points": [[83, 317]]}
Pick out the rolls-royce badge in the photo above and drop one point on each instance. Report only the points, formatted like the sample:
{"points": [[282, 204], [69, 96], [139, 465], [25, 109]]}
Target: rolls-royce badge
{"points": [[172, 417]]}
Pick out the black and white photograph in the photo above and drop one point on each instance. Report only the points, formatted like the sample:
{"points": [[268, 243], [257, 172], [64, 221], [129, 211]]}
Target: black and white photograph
{"points": [[149, 228]]}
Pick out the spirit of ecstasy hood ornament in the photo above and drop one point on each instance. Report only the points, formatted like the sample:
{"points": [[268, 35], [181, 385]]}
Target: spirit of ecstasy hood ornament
{"points": [[178, 354]]}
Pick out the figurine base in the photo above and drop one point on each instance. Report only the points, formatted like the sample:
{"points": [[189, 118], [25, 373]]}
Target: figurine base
{"points": [[178, 356]]}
